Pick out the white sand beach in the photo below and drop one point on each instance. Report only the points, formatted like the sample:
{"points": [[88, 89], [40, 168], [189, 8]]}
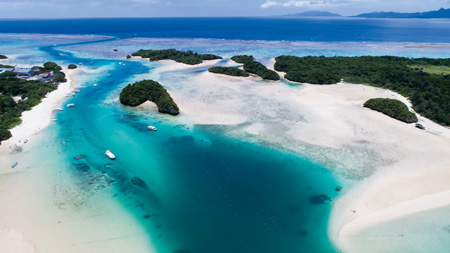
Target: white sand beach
{"points": [[399, 169], [43, 211], [40, 116]]}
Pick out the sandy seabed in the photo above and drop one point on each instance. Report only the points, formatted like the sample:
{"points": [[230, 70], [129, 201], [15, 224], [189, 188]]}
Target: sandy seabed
{"points": [[44, 211], [395, 169]]}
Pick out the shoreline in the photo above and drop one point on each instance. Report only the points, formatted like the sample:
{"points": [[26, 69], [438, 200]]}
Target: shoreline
{"points": [[378, 154], [39, 117]]}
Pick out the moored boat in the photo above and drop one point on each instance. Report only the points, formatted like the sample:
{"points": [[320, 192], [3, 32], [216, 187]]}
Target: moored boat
{"points": [[110, 155], [14, 164], [70, 105], [151, 128], [57, 109]]}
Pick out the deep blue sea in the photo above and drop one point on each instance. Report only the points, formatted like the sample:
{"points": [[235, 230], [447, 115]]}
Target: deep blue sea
{"points": [[195, 188], [292, 29]]}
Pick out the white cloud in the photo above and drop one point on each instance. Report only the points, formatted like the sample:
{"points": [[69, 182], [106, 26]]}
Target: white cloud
{"points": [[292, 3], [269, 4]]}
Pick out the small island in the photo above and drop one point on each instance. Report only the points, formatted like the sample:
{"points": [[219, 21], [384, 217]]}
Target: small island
{"points": [[72, 66], [230, 71], [393, 108], [242, 58], [424, 81], [257, 68], [3, 57], [149, 90], [188, 57], [23, 88]]}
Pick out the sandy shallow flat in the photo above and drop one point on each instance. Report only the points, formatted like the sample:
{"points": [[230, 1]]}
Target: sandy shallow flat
{"points": [[395, 169], [43, 209]]}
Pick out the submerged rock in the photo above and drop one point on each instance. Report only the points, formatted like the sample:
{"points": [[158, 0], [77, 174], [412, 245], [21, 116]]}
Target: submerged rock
{"points": [[319, 199], [139, 182], [79, 157], [81, 167]]}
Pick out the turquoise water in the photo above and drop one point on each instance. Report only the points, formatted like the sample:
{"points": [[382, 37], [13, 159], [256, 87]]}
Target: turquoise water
{"points": [[194, 189]]}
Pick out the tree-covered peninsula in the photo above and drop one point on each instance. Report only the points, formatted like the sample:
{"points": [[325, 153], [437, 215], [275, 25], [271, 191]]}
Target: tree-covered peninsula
{"points": [[428, 90], [27, 94], [242, 58], [257, 68], [142, 91], [188, 57], [230, 71], [3, 57], [393, 108]]}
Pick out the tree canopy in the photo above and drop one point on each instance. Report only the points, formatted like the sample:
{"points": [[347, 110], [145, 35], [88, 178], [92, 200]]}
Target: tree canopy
{"points": [[230, 71], [72, 66], [139, 92], [242, 58], [187, 57], [30, 92], [393, 108], [428, 92], [3, 56], [257, 68]]}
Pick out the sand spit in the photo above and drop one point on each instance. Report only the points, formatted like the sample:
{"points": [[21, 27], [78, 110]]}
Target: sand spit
{"points": [[43, 208], [395, 168]]}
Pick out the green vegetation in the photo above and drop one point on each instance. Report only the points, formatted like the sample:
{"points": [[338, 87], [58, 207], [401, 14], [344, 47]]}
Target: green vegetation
{"points": [[30, 92], [391, 107], [434, 70], [228, 71], [128, 56], [139, 92], [242, 58], [188, 57], [6, 66], [3, 56], [429, 93], [72, 66], [257, 68], [60, 77]]}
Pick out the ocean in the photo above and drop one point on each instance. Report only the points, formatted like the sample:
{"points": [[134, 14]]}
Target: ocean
{"points": [[199, 188]]}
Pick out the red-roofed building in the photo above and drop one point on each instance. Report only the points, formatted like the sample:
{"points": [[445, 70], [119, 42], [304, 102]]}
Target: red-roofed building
{"points": [[46, 74]]}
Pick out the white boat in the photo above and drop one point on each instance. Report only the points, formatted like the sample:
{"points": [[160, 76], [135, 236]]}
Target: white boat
{"points": [[70, 105], [76, 90], [95, 85], [151, 128], [25, 141], [110, 155], [54, 120], [57, 109], [72, 94]]}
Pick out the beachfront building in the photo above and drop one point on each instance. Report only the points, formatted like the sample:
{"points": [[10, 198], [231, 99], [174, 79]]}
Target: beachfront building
{"points": [[25, 70]]}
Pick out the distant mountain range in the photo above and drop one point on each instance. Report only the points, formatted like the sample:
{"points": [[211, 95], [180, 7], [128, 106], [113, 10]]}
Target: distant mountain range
{"points": [[441, 13], [314, 14]]}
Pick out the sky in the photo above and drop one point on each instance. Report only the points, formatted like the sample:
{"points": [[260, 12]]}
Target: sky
{"points": [[203, 8]]}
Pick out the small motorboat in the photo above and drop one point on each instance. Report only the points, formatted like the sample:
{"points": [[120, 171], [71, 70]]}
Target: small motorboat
{"points": [[110, 155], [25, 141], [151, 128], [77, 90], [14, 164], [70, 105], [95, 85], [54, 120], [57, 109]]}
